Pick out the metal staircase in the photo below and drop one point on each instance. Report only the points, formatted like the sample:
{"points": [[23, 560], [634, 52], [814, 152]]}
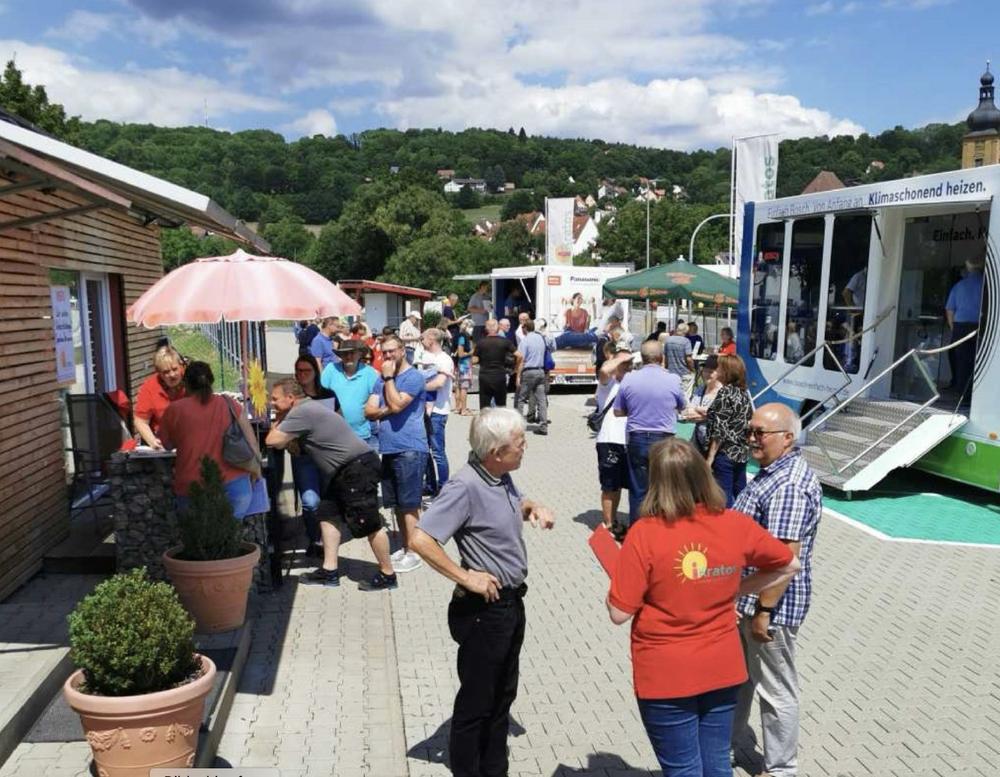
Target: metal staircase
{"points": [[856, 448], [852, 443]]}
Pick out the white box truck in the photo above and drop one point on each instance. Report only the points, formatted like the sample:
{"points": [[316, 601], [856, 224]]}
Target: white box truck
{"points": [[548, 292]]}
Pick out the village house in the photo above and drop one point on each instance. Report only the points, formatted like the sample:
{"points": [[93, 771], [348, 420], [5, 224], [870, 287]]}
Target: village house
{"points": [[79, 242], [456, 185]]}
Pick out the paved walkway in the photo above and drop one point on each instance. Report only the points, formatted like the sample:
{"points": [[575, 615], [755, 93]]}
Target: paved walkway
{"points": [[898, 658]]}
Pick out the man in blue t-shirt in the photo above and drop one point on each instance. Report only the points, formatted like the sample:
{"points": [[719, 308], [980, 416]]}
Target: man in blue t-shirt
{"points": [[962, 314], [397, 403], [352, 382]]}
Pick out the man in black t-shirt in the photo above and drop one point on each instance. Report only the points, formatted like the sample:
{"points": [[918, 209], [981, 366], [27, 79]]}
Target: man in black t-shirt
{"points": [[496, 356]]}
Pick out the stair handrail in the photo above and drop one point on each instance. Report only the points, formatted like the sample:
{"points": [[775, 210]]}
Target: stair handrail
{"points": [[825, 345], [916, 354]]}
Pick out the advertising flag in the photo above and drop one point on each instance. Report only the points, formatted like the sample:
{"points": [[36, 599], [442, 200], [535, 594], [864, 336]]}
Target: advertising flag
{"points": [[756, 171], [559, 230]]}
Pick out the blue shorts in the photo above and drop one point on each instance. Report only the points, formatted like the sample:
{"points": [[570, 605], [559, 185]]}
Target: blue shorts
{"points": [[403, 479]]}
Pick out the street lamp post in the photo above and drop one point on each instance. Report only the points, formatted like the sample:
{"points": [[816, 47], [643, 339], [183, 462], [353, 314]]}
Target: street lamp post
{"points": [[647, 230], [703, 223]]}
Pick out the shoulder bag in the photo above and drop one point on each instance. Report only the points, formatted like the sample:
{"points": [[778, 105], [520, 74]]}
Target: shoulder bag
{"points": [[237, 448], [596, 419]]}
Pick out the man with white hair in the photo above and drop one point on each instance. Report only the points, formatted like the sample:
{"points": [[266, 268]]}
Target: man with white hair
{"points": [[530, 378], [679, 357], [786, 499], [409, 333], [482, 509]]}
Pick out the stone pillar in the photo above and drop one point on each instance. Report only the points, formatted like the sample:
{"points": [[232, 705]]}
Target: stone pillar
{"points": [[145, 511]]}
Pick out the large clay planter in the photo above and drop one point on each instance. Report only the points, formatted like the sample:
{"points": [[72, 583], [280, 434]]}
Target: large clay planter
{"points": [[214, 592], [129, 735]]}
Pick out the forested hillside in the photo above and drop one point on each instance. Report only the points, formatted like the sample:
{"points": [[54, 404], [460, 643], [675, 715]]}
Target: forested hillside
{"points": [[384, 214]]}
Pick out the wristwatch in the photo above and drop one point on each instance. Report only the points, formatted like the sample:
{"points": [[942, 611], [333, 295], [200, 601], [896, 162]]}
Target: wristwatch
{"points": [[761, 608], [386, 380]]}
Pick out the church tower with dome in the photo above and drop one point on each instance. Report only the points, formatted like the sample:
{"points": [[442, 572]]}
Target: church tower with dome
{"points": [[981, 144]]}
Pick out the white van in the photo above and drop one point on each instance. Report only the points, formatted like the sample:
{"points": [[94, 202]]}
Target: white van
{"points": [[547, 291]]}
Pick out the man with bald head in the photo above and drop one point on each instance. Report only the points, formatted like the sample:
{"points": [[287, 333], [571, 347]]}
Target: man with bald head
{"points": [[650, 398], [786, 499]]}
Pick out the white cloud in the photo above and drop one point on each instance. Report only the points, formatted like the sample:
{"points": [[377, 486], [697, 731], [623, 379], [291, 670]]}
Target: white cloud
{"points": [[165, 96], [316, 122], [679, 113], [818, 9], [83, 27]]}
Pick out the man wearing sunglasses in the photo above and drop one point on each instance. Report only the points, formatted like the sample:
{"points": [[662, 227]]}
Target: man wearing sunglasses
{"points": [[786, 499]]}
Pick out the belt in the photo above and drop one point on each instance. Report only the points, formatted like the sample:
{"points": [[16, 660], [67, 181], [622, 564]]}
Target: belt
{"points": [[530, 369], [646, 433], [507, 594]]}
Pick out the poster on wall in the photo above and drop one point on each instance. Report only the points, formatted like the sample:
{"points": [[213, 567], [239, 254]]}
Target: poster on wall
{"points": [[62, 328], [559, 230]]}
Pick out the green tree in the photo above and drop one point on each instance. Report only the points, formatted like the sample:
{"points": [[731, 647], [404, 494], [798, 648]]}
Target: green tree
{"points": [[180, 246], [466, 199], [521, 201], [32, 104], [431, 262], [289, 238]]}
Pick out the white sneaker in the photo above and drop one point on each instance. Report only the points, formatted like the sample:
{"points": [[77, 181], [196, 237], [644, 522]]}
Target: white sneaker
{"points": [[407, 563], [394, 557]]}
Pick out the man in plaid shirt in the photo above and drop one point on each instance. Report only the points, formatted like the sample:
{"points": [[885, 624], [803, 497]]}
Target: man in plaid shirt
{"points": [[786, 499]]}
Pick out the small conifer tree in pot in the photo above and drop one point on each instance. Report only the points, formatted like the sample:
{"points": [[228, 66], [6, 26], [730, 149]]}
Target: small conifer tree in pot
{"points": [[212, 568], [140, 687]]}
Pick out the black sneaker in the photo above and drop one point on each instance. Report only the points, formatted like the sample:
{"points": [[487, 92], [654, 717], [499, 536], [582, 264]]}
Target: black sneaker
{"points": [[319, 576], [542, 431], [381, 582]]}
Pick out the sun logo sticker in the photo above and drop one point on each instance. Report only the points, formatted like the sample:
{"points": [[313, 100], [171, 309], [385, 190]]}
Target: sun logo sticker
{"points": [[692, 562]]}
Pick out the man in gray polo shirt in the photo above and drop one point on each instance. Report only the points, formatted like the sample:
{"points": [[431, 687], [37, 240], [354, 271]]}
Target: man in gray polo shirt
{"points": [[350, 471], [677, 352], [485, 512], [530, 377]]}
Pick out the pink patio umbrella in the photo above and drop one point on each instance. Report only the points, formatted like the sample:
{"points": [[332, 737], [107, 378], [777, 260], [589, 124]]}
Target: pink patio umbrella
{"points": [[239, 287]]}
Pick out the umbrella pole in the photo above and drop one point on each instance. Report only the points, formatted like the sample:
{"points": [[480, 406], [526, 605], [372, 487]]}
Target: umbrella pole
{"points": [[221, 328]]}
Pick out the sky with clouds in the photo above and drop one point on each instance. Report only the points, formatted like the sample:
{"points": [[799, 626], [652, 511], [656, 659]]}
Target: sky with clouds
{"points": [[669, 73]]}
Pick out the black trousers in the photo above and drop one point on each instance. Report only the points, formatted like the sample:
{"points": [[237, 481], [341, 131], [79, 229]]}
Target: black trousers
{"points": [[489, 638], [492, 386], [963, 359]]}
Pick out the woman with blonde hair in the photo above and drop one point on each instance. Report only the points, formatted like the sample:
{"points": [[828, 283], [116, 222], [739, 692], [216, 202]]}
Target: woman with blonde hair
{"points": [[164, 386], [677, 579]]}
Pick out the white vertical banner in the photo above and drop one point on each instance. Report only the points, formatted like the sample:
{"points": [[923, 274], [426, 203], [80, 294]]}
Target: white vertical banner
{"points": [[756, 171], [559, 230], [62, 330]]}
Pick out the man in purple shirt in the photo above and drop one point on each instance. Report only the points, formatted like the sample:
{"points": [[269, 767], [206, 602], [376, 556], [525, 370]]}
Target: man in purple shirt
{"points": [[651, 398]]}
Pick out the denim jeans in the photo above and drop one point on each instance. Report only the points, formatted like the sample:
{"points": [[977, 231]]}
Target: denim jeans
{"points": [[437, 462], [730, 475], [403, 479], [239, 492], [308, 483], [691, 735], [638, 447]]}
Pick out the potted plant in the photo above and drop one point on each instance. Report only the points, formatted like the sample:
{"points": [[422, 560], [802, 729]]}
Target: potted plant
{"points": [[212, 568], [140, 687]]}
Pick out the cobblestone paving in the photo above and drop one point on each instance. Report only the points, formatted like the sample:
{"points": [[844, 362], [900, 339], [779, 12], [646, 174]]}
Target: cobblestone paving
{"points": [[897, 658]]}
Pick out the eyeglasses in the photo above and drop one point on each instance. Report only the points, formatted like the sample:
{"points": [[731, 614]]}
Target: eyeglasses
{"points": [[759, 433]]}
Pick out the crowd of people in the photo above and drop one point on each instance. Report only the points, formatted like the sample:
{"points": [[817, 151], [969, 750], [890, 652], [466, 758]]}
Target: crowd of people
{"points": [[714, 573]]}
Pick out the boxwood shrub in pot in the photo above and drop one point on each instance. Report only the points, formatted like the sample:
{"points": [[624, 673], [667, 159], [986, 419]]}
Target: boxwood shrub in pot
{"points": [[212, 568], [140, 687]]}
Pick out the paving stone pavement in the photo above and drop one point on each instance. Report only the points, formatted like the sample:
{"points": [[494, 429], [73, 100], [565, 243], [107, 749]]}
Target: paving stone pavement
{"points": [[897, 658]]}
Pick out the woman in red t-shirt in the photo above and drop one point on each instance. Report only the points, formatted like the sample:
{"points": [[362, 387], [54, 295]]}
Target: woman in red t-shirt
{"points": [[156, 394], [677, 578], [728, 345], [194, 426]]}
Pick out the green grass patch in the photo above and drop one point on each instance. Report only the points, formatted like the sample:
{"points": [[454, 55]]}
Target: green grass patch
{"points": [[190, 342], [491, 212]]}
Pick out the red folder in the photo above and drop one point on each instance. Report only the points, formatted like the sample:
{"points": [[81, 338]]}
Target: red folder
{"points": [[605, 548]]}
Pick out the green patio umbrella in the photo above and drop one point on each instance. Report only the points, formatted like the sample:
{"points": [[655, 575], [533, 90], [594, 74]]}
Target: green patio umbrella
{"points": [[677, 280]]}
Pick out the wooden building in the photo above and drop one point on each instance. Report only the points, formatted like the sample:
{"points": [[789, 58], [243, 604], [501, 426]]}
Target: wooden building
{"points": [[79, 242]]}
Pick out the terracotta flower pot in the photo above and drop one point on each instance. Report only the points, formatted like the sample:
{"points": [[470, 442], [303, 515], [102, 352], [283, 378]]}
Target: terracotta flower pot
{"points": [[214, 592], [129, 735]]}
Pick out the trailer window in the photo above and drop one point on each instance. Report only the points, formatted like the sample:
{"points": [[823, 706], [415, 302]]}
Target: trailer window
{"points": [[804, 272], [848, 289], [766, 293]]}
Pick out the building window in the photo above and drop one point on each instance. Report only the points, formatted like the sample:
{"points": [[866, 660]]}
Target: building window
{"points": [[806, 266], [766, 295]]}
